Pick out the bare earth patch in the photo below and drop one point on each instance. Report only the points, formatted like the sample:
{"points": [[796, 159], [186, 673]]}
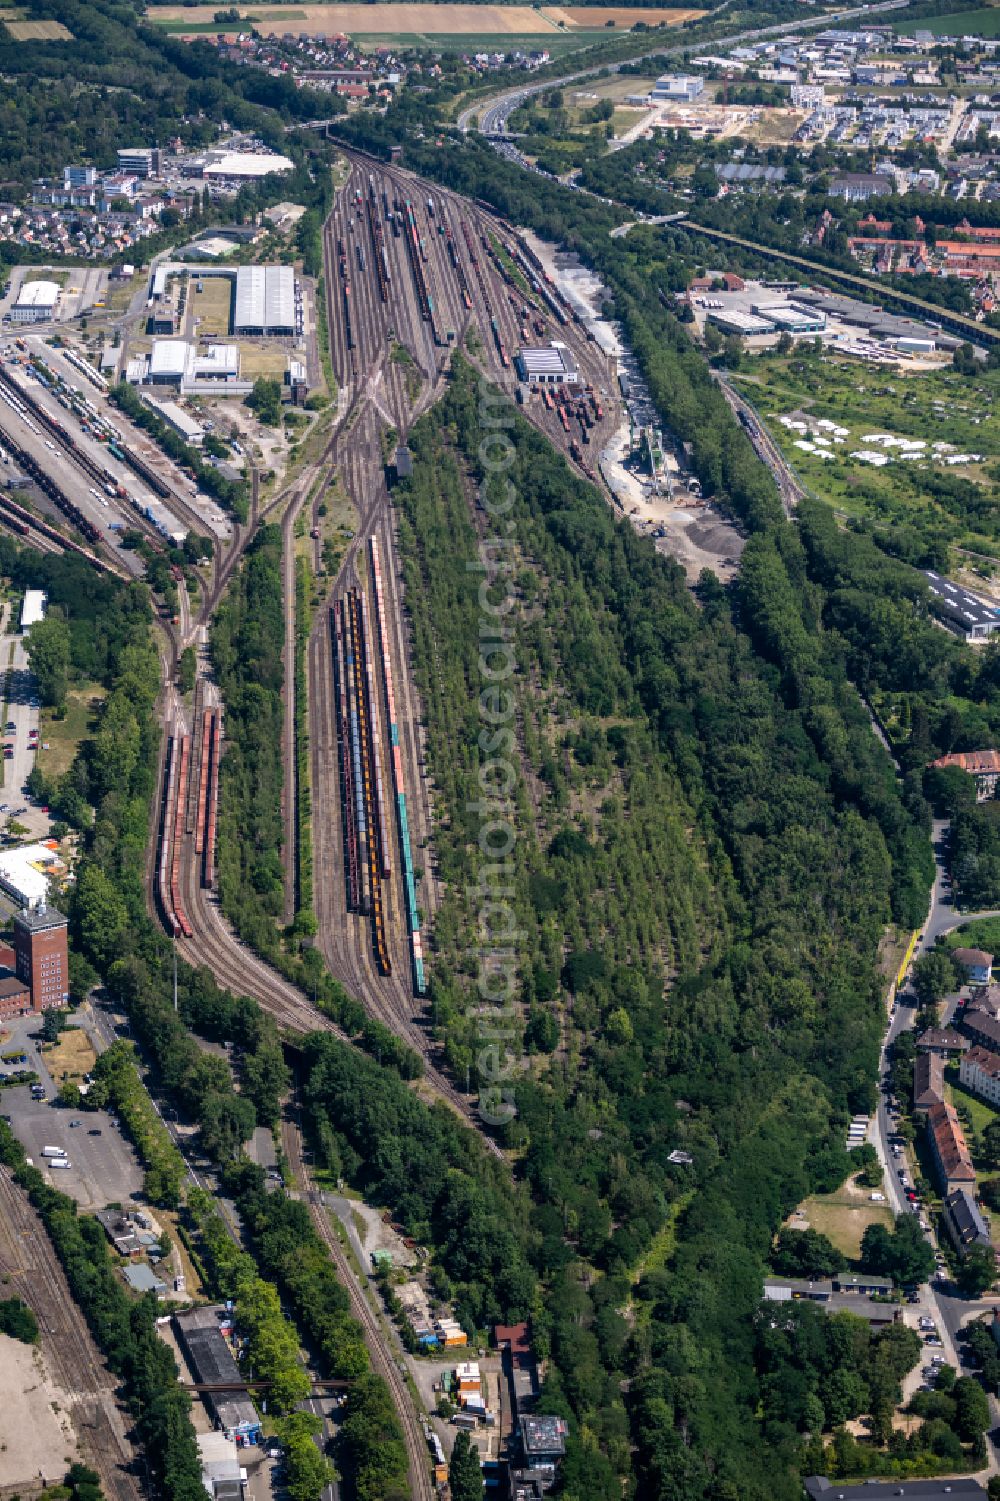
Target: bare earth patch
{"points": [[36, 1436]]}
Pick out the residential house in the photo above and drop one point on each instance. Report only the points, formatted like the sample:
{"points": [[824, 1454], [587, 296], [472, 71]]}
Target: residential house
{"points": [[979, 1071], [943, 1040], [964, 1222], [859, 187], [978, 965], [948, 1148], [983, 766], [928, 1082], [984, 1030]]}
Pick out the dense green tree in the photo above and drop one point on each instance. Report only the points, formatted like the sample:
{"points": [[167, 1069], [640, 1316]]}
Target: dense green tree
{"points": [[934, 975], [465, 1478], [972, 1409], [977, 1271], [17, 1320], [48, 648]]}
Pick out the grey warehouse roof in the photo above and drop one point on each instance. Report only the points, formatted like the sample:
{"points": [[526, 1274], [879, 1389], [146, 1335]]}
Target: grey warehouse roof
{"points": [[265, 297]]}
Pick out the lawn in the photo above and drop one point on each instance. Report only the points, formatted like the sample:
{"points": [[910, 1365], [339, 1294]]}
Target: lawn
{"points": [[844, 1216], [926, 493], [71, 1057], [981, 1114], [257, 359], [212, 305], [63, 736], [984, 934], [984, 22]]}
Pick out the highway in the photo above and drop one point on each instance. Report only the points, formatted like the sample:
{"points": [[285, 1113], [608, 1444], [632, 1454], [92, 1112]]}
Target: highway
{"points": [[498, 108]]}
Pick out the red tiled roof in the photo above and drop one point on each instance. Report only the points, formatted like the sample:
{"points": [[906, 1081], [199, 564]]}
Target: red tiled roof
{"points": [[949, 1144]]}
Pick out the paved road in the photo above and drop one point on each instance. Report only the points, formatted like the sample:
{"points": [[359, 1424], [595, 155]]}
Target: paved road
{"points": [[939, 1298]]}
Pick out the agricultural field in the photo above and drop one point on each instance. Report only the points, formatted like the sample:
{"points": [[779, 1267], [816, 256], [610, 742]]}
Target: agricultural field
{"points": [[982, 22], [899, 449], [35, 31], [479, 23]]}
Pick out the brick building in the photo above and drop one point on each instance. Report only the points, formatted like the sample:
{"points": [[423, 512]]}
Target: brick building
{"points": [[41, 956]]}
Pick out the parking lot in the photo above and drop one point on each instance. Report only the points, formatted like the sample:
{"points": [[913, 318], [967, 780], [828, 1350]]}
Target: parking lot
{"points": [[19, 707], [104, 1168]]}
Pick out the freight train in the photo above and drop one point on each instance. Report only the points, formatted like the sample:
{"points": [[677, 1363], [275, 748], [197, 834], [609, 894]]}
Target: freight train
{"points": [[399, 781]]}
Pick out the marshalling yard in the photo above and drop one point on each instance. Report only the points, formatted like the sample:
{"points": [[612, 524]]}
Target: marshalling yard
{"points": [[412, 274]]}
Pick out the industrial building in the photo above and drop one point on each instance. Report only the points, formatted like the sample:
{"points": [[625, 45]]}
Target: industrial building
{"points": [[33, 608], [244, 165], [36, 302], [174, 416], [678, 86], [962, 612], [732, 321], [176, 363], [265, 300], [552, 366], [201, 1337], [791, 318]]}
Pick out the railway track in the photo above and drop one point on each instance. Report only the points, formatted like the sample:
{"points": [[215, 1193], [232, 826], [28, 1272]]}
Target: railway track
{"points": [[379, 1349], [32, 1270]]}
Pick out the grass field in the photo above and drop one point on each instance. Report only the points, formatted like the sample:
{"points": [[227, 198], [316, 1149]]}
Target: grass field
{"points": [[71, 1057], [844, 1216], [63, 736], [981, 1114], [37, 31], [982, 934], [409, 20], [983, 22], [212, 305], [258, 359]]}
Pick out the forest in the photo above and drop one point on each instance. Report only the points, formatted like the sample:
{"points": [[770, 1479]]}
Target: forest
{"points": [[120, 78], [731, 1010]]}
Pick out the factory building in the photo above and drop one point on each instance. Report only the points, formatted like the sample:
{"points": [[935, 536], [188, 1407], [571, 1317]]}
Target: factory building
{"points": [[36, 302], [791, 318], [678, 86], [265, 300], [962, 612], [546, 367]]}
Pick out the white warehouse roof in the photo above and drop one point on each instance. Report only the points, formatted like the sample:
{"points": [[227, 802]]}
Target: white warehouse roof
{"points": [[24, 873], [265, 298], [248, 164], [38, 294], [33, 608], [169, 357]]}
